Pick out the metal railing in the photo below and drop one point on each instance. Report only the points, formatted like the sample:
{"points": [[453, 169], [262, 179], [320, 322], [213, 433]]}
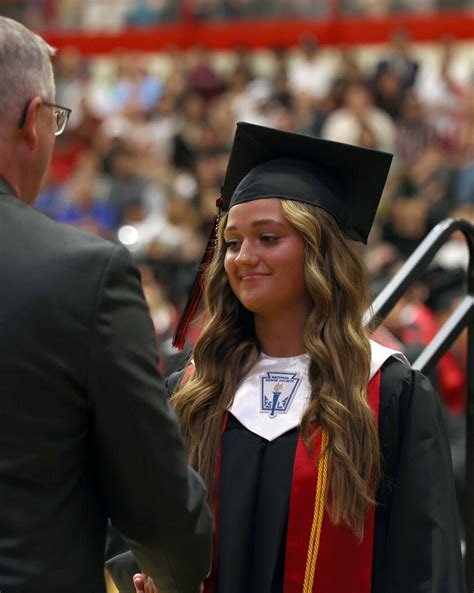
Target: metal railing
{"points": [[461, 318]]}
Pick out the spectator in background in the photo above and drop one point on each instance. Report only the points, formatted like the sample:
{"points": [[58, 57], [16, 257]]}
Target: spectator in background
{"points": [[415, 133], [86, 205], [202, 78], [407, 224], [261, 106], [308, 71], [358, 113], [189, 130], [463, 161], [202, 10], [443, 86], [128, 186], [371, 8], [236, 92], [348, 72], [399, 63], [389, 94], [297, 8], [135, 84], [151, 12], [162, 127]]}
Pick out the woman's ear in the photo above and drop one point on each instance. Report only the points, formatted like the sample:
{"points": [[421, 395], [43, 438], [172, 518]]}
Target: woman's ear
{"points": [[29, 129]]}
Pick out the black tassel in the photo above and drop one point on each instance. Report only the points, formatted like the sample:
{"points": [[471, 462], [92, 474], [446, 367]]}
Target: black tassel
{"points": [[194, 298]]}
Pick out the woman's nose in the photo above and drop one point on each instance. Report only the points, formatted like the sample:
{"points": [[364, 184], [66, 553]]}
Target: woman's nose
{"points": [[247, 254]]}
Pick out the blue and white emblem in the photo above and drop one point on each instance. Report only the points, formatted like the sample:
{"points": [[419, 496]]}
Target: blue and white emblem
{"points": [[277, 392]]}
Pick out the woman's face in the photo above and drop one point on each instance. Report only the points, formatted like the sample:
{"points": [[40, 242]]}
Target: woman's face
{"points": [[264, 259]]}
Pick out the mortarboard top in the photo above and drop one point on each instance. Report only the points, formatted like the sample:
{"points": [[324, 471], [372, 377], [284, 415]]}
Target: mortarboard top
{"points": [[343, 179]]}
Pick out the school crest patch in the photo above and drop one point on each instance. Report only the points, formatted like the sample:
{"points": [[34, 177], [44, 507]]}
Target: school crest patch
{"points": [[277, 392]]}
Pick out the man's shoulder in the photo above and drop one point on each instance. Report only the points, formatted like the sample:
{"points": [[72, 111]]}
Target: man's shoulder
{"points": [[33, 243], [71, 235], [49, 234], [79, 253]]}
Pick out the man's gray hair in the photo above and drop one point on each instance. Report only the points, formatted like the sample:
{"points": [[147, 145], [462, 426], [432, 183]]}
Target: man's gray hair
{"points": [[25, 69]]}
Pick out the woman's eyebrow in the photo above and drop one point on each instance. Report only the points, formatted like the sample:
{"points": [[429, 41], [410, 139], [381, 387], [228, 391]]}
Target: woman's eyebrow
{"points": [[256, 223]]}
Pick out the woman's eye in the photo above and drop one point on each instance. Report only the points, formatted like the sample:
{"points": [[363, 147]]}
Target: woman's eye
{"points": [[268, 238], [232, 245]]}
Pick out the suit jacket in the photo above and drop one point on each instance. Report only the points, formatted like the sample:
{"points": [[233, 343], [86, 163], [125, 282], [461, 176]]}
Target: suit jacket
{"points": [[86, 432]]}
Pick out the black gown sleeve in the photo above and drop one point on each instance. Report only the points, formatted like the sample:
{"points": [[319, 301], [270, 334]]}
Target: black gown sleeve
{"points": [[416, 543]]}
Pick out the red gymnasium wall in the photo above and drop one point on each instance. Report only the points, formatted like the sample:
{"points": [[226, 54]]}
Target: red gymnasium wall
{"points": [[337, 30]]}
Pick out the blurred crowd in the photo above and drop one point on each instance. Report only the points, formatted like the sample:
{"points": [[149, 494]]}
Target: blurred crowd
{"points": [[144, 155]]}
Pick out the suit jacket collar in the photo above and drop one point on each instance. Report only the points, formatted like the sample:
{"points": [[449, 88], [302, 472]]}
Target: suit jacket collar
{"points": [[5, 188]]}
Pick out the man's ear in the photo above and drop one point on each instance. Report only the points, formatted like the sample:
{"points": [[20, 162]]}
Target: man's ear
{"points": [[29, 130]]}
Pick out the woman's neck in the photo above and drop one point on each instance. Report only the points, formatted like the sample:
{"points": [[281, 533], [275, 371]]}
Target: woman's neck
{"points": [[282, 336]]}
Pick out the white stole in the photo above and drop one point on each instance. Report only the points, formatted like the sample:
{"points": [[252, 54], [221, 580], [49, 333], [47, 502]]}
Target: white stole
{"points": [[271, 399]]}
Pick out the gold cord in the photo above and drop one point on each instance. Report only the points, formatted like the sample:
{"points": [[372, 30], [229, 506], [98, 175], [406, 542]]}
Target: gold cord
{"points": [[319, 504]]}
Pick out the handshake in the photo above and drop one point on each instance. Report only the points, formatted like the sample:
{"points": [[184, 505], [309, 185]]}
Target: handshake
{"points": [[145, 584]]}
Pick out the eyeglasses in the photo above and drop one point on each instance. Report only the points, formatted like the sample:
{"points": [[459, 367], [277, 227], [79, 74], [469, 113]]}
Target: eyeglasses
{"points": [[61, 116]]}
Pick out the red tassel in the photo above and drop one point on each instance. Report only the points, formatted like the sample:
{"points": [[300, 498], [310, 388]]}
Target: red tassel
{"points": [[192, 304]]}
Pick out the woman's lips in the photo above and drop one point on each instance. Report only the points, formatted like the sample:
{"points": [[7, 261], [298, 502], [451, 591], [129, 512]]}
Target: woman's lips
{"points": [[250, 277]]}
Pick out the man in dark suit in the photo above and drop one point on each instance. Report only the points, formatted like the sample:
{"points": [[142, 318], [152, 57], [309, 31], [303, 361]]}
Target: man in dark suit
{"points": [[86, 433]]}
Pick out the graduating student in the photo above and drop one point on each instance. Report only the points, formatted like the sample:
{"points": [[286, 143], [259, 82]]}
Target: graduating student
{"points": [[325, 453]]}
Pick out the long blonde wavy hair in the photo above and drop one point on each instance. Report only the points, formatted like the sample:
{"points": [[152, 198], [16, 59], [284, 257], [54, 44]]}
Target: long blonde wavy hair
{"points": [[339, 350]]}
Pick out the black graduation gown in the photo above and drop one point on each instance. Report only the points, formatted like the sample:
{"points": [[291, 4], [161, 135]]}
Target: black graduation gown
{"points": [[416, 537]]}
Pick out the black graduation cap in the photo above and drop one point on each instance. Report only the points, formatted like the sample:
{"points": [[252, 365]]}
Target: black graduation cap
{"points": [[343, 179]]}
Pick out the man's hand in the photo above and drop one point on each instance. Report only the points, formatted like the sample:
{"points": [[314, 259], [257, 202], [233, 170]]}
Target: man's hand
{"points": [[144, 584]]}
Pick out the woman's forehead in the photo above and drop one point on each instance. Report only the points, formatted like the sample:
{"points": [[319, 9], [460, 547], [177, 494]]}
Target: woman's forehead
{"points": [[261, 209]]}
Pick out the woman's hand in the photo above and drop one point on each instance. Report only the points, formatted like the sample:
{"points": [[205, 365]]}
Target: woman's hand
{"points": [[144, 584]]}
